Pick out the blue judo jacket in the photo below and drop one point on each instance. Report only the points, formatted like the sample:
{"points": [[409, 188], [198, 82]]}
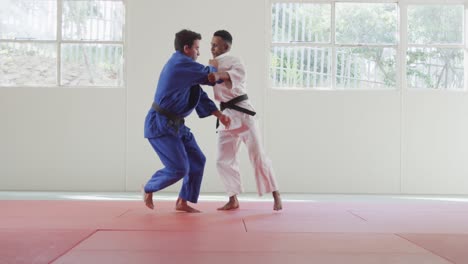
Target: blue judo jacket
{"points": [[179, 92]]}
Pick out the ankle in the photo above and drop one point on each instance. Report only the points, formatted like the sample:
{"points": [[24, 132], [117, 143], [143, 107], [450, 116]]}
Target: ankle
{"points": [[233, 199], [181, 201]]}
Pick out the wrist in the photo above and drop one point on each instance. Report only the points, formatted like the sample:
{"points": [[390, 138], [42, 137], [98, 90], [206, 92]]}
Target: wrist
{"points": [[217, 113]]}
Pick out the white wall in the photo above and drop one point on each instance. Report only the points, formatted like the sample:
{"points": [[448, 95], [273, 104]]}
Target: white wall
{"points": [[319, 141], [435, 143], [335, 141], [62, 139]]}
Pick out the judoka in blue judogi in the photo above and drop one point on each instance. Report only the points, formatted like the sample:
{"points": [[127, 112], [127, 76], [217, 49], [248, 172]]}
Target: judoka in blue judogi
{"points": [[178, 93]]}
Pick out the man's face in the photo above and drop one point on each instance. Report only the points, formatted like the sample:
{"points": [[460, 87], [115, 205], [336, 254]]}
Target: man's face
{"points": [[194, 51], [218, 46]]}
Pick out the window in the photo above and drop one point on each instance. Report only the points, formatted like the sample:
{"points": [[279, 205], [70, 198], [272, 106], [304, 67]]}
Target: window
{"points": [[301, 51], [356, 45], [435, 47], [366, 45], [359, 53], [67, 43]]}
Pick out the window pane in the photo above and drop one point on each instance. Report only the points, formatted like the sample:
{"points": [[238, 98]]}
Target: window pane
{"points": [[366, 23], [302, 67], [27, 64], [366, 68], [92, 65], [301, 22], [28, 19], [93, 20], [435, 68], [435, 24]]}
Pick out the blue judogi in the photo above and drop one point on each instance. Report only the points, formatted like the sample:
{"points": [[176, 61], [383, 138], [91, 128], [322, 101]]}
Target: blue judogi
{"points": [[179, 93]]}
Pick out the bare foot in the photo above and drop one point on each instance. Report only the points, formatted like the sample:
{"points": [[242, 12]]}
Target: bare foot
{"points": [[277, 205], [233, 204], [229, 206], [181, 205], [147, 198]]}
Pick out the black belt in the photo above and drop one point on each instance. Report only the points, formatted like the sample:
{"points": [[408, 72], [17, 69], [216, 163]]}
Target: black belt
{"points": [[174, 120], [231, 104]]}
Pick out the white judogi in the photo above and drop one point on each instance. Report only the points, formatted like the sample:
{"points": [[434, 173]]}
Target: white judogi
{"points": [[243, 128]]}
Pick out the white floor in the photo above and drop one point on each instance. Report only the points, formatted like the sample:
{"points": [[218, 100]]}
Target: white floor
{"points": [[135, 196]]}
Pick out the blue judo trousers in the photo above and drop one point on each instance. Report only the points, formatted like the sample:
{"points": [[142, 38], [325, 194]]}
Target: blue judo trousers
{"points": [[178, 92]]}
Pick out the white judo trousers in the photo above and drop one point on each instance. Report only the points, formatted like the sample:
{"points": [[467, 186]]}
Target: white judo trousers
{"points": [[243, 129]]}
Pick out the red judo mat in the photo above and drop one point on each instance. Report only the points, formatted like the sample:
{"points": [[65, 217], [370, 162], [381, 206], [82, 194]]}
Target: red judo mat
{"points": [[338, 231]]}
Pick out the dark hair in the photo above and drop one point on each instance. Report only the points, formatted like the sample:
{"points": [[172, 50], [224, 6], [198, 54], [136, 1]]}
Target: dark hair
{"points": [[185, 37], [226, 36]]}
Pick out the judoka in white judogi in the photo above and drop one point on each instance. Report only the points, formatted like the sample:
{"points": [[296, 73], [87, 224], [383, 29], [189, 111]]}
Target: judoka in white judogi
{"points": [[243, 128]]}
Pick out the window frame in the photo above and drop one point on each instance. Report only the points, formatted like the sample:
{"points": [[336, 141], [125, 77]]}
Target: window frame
{"points": [[407, 45], [400, 47], [59, 42]]}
